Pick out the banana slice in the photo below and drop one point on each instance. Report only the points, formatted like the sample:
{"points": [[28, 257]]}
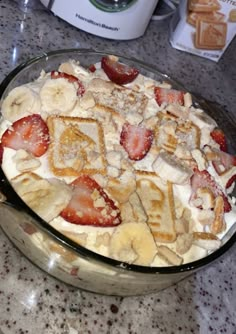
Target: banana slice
{"points": [[171, 169], [20, 102], [133, 243], [58, 96], [202, 120], [47, 197]]}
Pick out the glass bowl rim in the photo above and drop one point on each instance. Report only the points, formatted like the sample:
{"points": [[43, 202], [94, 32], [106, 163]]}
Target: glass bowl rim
{"points": [[19, 204]]}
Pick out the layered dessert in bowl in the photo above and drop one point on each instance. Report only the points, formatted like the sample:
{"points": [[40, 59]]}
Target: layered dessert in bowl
{"points": [[114, 178]]}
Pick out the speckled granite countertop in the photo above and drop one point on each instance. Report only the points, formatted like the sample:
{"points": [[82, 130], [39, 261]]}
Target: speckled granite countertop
{"points": [[31, 301]]}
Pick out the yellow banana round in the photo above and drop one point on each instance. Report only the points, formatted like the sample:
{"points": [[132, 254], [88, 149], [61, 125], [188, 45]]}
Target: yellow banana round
{"points": [[20, 102], [58, 96], [133, 243]]}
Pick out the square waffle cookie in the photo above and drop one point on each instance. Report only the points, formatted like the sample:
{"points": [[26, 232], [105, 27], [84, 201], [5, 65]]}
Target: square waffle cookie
{"points": [[77, 145]]}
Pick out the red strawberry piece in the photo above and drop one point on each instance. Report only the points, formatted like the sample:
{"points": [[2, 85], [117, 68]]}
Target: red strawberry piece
{"points": [[231, 181], [119, 73], [1, 153], [219, 137], [71, 78], [202, 179], [92, 68], [136, 140], [90, 205], [168, 95], [29, 133]]}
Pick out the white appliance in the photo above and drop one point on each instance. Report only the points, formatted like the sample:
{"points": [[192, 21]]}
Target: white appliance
{"points": [[114, 19]]}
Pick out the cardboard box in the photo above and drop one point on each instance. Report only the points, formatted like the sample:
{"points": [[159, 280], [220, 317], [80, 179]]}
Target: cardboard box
{"points": [[204, 27]]}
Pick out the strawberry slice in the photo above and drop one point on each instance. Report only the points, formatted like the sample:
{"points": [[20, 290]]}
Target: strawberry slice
{"points": [[92, 68], [168, 95], [71, 78], [90, 205], [219, 137], [202, 179], [231, 181], [29, 133], [136, 140], [119, 73], [1, 153]]}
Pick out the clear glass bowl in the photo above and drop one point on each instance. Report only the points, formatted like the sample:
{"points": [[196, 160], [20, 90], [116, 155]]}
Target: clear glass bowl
{"points": [[92, 272]]}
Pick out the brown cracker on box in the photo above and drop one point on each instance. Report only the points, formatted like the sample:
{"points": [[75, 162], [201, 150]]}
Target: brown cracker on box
{"points": [[193, 17], [232, 15], [203, 5], [210, 35], [218, 16]]}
